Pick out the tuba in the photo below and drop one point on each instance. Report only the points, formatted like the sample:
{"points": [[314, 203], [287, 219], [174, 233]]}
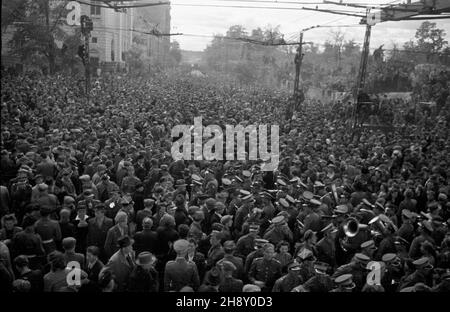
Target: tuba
{"points": [[351, 229]]}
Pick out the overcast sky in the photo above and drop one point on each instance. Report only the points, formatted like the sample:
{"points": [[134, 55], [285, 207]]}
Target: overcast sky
{"points": [[207, 21]]}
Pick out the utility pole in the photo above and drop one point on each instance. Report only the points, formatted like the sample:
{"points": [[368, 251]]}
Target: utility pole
{"points": [[360, 82], [86, 28], [298, 64]]}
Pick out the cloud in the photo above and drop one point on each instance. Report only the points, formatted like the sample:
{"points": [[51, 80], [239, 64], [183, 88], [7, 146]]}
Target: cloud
{"points": [[216, 20]]}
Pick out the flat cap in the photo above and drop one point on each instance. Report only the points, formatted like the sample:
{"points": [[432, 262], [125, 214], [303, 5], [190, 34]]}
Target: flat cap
{"points": [[180, 245], [362, 257], [283, 202], [85, 177], [367, 244], [388, 257], [421, 262], [406, 213], [228, 266], [344, 280], [278, 220]]}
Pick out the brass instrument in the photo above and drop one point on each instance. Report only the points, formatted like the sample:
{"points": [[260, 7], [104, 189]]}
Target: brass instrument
{"points": [[351, 229]]}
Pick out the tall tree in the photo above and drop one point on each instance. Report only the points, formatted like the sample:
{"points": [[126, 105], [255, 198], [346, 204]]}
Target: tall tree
{"points": [[39, 25]]}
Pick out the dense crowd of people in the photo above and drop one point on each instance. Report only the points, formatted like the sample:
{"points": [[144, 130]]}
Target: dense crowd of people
{"points": [[90, 189]]}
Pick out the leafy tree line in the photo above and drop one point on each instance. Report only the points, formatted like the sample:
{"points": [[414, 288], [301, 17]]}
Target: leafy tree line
{"points": [[332, 66]]}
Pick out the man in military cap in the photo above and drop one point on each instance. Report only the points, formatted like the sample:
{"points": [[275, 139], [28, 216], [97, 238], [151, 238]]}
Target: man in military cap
{"points": [[368, 248], [320, 281], [312, 220], [243, 211], [393, 273], [406, 230], [425, 230], [306, 259], [229, 248], [357, 268], [180, 272], [87, 199], [68, 245], [344, 283], [326, 248], [287, 282], [266, 270], [280, 231], [422, 274], [258, 252], [246, 244], [49, 230], [98, 228], [216, 251], [229, 283]]}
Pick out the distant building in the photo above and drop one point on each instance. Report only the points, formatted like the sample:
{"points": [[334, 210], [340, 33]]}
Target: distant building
{"points": [[155, 20], [112, 35]]}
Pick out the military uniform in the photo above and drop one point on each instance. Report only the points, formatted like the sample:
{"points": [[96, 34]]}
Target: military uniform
{"points": [[358, 273], [319, 283], [252, 256], [286, 283], [267, 271], [245, 245], [179, 273], [326, 252]]}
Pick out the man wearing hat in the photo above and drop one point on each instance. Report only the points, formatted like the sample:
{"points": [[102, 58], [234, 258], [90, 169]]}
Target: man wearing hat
{"points": [[130, 181], [20, 194], [47, 166], [326, 248], [45, 199], [246, 244], [195, 229], [243, 211], [229, 283], [321, 281], [216, 251], [68, 244], [406, 230], [344, 283], [98, 228], [48, 229], [280, 231], [368, 248], [29, 243], [394, 272], [22, 265], [144, 277], [180, 272], [86, 184], [422, 274], [357, 268], [229, 248], [425, 230], [87, 199], [122, 262], [106, 187], [287, 282], [312, 220], [258, 252], [266, 270]]}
